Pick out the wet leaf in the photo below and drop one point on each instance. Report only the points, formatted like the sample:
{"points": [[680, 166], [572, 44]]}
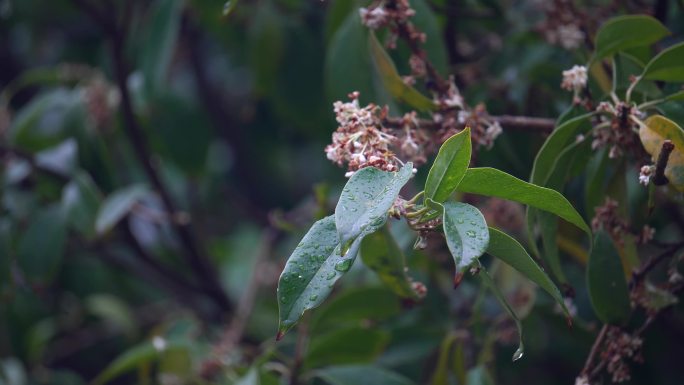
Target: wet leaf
{"points": [[507, 249], [449, 167], [492, 182], [346, 346], [117, 205], [311, 272], [366, 199], [629, 31], [606, 281], [667, 66], [466, 233], [657, 129], [392, 81], [489, 282], [380, 253], [360, 374]]}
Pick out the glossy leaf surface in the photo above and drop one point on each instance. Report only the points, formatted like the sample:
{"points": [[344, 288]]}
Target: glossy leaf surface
{"points": [[466, 233], [449, 167], [366, 199], [628, 31], [507, 249], [492, 182], [311, 272]]}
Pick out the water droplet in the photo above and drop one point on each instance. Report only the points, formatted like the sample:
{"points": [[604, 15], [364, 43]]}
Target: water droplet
{"points": [[459, 221], [470, 233], [343, 265], [313, 297], [518, 354], [300, 277], [330, 275], [473, 223], [284, 299]]}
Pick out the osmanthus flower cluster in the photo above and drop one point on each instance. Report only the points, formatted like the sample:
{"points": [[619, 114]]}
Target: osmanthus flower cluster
{"points": [[361, 140]]}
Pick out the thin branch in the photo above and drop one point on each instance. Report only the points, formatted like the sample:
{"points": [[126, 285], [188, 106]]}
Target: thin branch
{"points": [[206, 275], [508, 122], [595, 349], [659, 179]]}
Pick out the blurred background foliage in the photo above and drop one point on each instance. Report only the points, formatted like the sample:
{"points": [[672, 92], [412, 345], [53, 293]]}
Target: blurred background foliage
{"points": [[142, 232]]}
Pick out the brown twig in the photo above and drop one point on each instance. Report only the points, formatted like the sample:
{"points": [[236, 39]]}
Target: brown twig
{"points": [[205, 275], [659, 179], [508, 122], [594, 349]]}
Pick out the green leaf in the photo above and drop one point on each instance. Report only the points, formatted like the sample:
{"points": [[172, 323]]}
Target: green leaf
{"points": [[366, 199], [449, 167], [117, 205], [507, 249], [266, 45], [311, 272], [347, 64], [159, 44], [656, 130], [381, 254], [136, 357], [489, 282], [80, 200], [184, 130], [355, 306], [560, 138], [625, 32], [41, 248], [595, 180], [346, 346], [492, 182], [466, 233], [392, 81], [360, 374], [677, 96], [49, 119], [667, 66], [426, 20], [606, 281]]}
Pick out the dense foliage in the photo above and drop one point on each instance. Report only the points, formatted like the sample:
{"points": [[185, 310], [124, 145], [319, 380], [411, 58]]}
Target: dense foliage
{"points": [[427, 165]]}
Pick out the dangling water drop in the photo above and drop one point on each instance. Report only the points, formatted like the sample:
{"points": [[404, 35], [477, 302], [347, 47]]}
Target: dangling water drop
{"points": [[518, 354]]}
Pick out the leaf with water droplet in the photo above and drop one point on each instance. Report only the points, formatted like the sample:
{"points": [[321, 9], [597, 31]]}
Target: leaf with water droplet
{"points": [[510, 251], [374, 193], [311, 272], [466, 241], [489, 282]]}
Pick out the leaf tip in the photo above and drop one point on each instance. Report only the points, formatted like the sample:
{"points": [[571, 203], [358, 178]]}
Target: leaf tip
{"points": [[280, 335], [458, 277]]}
